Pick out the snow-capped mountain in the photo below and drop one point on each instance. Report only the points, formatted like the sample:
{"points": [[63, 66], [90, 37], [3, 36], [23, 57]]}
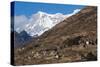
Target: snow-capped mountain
{"points": [[40, 22]]}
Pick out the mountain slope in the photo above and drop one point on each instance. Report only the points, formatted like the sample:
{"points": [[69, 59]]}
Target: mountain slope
{"points": [[84, 21], [72, 40]]}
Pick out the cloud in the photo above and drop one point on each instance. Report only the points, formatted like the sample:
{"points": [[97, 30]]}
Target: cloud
{"points": [[20, 21]]}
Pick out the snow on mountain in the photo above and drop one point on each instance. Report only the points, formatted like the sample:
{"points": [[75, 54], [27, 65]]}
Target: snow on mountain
{"points": [[40, 22]]}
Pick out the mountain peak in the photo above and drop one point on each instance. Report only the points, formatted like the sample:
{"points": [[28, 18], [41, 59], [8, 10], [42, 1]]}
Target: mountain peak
{"points": [[42, 21]]}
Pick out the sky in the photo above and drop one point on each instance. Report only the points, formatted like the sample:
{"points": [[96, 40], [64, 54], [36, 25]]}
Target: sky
{"points": [[29, 8]]}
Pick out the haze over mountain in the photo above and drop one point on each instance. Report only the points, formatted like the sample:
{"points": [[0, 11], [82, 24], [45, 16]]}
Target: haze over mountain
{"points": [[40, 22], [21, 38]]}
